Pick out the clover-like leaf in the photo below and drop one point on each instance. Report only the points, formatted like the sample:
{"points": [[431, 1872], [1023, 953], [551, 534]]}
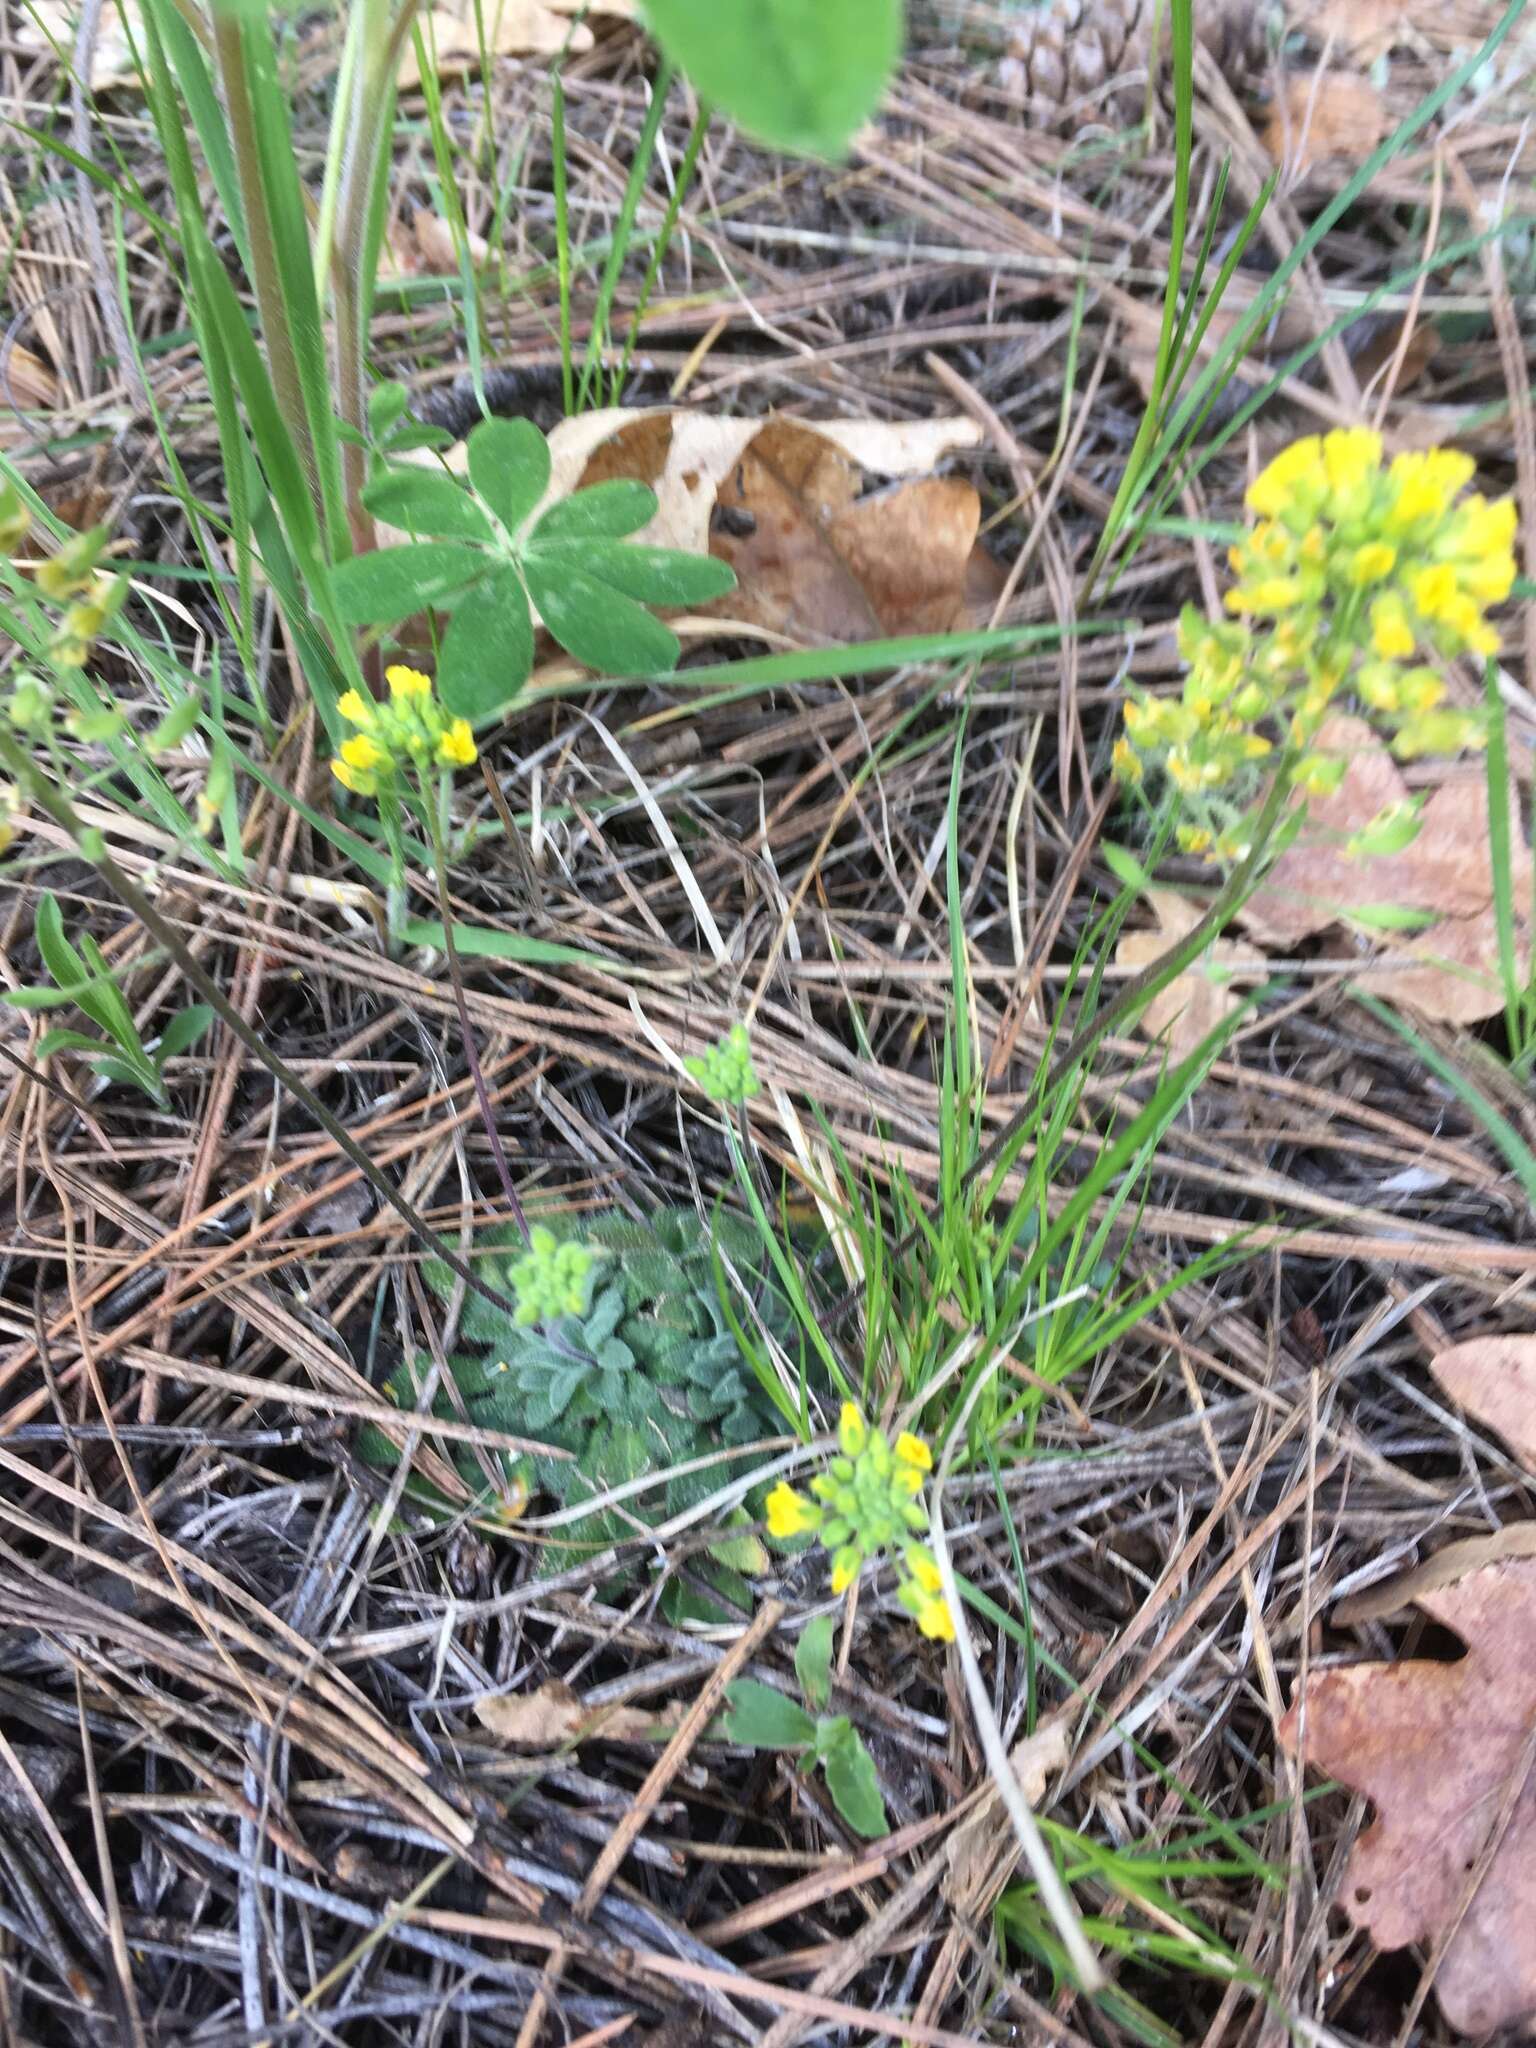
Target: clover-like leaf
{"points": [[509, 465], [601, 512], [602, 628], [427, 501], [488, 648], [391, 583], [657, 576]]}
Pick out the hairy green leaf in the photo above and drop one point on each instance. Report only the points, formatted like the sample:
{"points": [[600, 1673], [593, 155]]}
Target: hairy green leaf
{"points": [[391, 583], [426, 501], [488, 648], [509, 466]]}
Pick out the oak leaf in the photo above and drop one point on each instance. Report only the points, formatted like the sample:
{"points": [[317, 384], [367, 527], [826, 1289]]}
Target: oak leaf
{"points": [[554, 1717], [1189, 1009], [1494, 1379], [1443, 880], [1324, 115], [1438, 1748]]}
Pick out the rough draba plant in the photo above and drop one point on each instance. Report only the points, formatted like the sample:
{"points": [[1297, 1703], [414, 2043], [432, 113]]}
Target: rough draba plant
{"points": [[623, 1351], [1354, 581]]}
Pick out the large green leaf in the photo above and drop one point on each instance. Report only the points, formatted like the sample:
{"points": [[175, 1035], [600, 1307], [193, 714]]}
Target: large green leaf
{"points": [[797, 74], [488, 648], [392, 583], [762, 1718], [509, 466], [426, 501], [854, 1783], [599, 626]]}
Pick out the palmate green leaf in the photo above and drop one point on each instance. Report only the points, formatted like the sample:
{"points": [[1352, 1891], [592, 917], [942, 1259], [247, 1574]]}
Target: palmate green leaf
{"points": [[797, 74], [391, 583], [603, 629], [601, 512], [424, 501], [488, 648], [854, 1783], [659, 576], [509, 465], [760, 1717]]}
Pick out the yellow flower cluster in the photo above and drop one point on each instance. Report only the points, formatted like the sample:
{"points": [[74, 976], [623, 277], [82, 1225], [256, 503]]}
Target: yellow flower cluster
{"points": [[412, 728], [866, 1505], [1351, 574], [1391, 558]]}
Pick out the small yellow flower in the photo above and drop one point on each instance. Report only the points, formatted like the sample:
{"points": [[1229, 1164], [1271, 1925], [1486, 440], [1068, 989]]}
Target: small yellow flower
{"points": [[1124, 761], [1372, 563], [361, 751], [1434, 591], [456, 748], [355, 708], [924, 1568], [351, 778], [1391, 634], [1351, 456], [405, 683], [1275, 491], [911, 1450], [790, 1513], [846, 1566], [935, 1620]]}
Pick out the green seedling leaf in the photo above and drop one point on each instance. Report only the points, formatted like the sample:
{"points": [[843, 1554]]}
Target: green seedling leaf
{"points": [[174, 727], [603, 629], [59, 956], [603, 512], [35, 997], [1388, 917], [509, 465], [184, 1030], [419, 501], [1125, 867], [129, 1074], [760, 1717], [392, 583], [64, 1040], [386, 407], [483, 942], [855, 1785], [813, 1661], [488, 648], [659, 576], [797, 74]]}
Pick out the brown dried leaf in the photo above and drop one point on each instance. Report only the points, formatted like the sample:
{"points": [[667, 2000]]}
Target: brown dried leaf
{"points": [[1322, 115], [1192, 1005], [554, 1717], [513, 28], [1494, 1379], [1447, 873], [424, 248], [1362, 28], [1436, 1747], [1391, 1595]]}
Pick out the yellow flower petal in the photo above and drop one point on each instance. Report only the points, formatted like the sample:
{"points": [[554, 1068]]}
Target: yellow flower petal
{"points": [[362, 752], [790, 1513], [456, 748], [911, 1450], [407, 682], [936, 1621], [355, 708]]}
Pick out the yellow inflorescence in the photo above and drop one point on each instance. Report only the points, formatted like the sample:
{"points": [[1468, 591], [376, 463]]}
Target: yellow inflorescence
{"points": [[1354, 576], [866, 1505], [411, 729]]}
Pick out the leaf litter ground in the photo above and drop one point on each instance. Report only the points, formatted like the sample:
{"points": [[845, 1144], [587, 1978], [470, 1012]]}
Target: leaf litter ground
{"points": [[250, 1781]]}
